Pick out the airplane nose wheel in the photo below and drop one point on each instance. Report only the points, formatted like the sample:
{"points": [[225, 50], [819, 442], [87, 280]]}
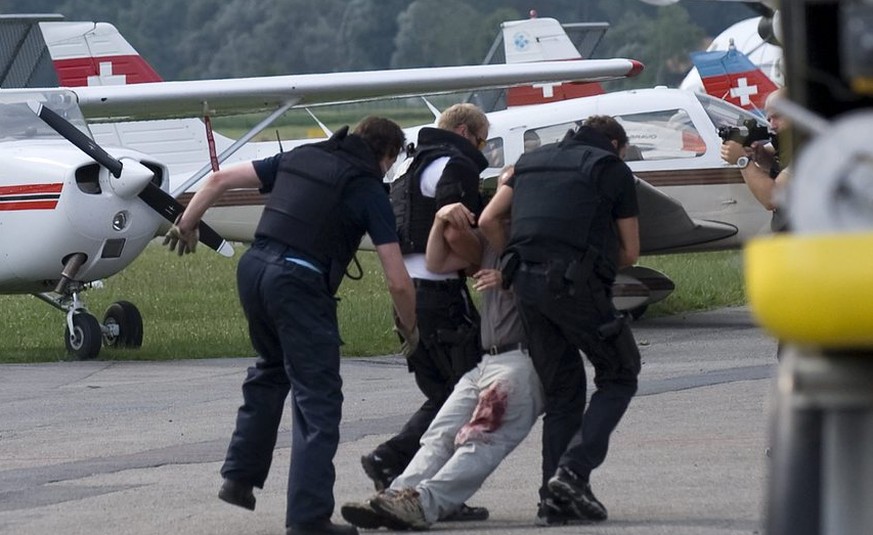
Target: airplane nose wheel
{"points": [[83, 342], [123, 326]]}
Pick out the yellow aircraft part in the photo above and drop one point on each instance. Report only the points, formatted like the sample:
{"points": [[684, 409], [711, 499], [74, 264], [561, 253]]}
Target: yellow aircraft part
{"points": [[813, 289]]}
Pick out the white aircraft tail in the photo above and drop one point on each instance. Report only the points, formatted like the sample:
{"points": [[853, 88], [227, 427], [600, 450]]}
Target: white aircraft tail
{"points": [[542, 39], [88, 53]]}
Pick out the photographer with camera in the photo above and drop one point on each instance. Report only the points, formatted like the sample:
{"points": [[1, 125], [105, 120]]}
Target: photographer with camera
{"points": [[759, 162]]}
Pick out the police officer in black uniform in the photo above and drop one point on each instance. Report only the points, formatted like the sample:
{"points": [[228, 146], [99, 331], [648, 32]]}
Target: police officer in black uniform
{"points": [[574, 213], [323, 198], [444, 169]]}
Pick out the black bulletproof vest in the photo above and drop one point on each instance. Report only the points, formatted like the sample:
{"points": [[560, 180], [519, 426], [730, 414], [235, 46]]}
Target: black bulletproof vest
{"points": [[302, 209], [555, 201], [413, 211]]}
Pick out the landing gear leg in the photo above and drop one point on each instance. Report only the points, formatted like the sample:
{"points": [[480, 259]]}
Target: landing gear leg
{"points": [[83, 335]]}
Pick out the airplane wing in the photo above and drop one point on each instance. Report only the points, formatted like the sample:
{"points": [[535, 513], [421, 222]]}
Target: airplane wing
{"points": [[163, 100], [666, 226]]}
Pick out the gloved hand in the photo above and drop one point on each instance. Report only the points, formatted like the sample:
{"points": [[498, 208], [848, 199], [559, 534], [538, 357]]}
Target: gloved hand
{"points": [[186, 240], [408, 338]]}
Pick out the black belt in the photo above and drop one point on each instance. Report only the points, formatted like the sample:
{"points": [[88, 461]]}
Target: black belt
{"points": [[283, 250], [446, 284], [498, 349]]}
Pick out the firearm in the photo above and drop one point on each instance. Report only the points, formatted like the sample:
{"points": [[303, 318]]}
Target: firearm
{"points": [[746, 134]]}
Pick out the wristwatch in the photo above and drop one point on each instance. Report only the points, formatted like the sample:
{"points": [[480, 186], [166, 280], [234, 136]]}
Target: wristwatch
{"points": [[742, 162]]}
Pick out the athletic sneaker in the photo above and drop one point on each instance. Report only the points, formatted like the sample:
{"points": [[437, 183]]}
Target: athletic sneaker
{"points": [[566, 485], [403, 506], [465, 513], [553, 512]]}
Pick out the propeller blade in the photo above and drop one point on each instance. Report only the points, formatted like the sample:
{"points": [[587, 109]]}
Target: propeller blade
{"points": [[169, 208], [159, 200], [77, 138]]}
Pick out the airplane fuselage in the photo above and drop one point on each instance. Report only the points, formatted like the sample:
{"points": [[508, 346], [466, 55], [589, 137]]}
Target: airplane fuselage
{"points": [[675, 148], [55, 202]]}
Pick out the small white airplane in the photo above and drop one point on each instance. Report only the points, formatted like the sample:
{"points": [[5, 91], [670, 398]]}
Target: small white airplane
{"points": [[73, 213], [690, 199]]}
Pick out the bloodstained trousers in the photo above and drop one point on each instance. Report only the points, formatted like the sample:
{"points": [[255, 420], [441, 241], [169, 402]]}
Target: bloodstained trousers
{"points": [[449, 346], [558, 324], [293, 329], [490, 411]]}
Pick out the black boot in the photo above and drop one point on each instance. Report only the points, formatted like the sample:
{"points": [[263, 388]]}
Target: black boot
{"points": [[237, 493], [322, 527]]}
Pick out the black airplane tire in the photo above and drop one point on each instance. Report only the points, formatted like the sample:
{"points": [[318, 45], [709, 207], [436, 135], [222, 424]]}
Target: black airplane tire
{"points": [[86, 338], [637, 313], [129, 321]]}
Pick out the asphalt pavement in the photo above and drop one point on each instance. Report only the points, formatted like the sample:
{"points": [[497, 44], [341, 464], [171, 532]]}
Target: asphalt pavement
{"points": [[135, 447]]}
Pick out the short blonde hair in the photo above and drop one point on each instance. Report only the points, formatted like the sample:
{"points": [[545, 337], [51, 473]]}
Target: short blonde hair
{"points": [[463, 114], [775, 95]]}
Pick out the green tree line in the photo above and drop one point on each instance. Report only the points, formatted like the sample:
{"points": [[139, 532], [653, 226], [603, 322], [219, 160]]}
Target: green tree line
{"points": [[194, 39]]}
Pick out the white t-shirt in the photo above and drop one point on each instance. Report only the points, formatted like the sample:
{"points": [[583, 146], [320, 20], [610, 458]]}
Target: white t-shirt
{"points": [[415, 262]]}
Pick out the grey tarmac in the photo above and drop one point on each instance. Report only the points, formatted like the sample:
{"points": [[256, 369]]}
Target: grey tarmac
{"points": [[135, 447]]}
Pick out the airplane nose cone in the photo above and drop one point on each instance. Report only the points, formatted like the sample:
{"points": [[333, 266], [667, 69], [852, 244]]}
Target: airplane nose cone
{"points": [[134, 178]]}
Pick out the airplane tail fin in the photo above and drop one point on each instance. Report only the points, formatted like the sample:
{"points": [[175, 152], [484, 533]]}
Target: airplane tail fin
{"points": [[730, 75], [89, 53], [95, 53], [542, 39]]}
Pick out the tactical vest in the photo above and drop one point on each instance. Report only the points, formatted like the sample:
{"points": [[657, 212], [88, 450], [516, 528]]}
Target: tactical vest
{"points": [[413, 211], [302, 209], [555, 201]]}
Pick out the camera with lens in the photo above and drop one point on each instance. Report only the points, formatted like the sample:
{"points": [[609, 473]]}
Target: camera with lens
{"points": [[745, 135]]}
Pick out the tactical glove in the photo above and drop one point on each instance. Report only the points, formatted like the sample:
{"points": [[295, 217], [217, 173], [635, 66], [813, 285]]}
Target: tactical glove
{"points": [[186, 241], [408, 339]]}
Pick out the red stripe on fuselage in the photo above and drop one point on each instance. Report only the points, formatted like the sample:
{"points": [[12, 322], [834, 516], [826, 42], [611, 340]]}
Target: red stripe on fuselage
{"points": [[74, 72], [28, 205], [31, 188]]}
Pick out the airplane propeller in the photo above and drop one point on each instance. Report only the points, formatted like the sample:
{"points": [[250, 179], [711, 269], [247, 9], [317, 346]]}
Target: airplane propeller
{"points": [[132, 178]]}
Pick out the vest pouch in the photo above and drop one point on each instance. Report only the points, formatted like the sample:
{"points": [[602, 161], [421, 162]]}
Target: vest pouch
{"points": [[508, 266]]}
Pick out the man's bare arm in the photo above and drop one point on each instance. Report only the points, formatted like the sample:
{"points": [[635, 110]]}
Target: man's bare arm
{"points": [[491, 220], [452, 221], [629, 241], [399, 283], [237, 176]]}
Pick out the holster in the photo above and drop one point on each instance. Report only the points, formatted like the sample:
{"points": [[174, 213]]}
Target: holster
{"points": [[464, 348], [619, 333]]}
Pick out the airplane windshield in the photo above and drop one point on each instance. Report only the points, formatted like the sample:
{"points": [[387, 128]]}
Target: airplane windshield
{"points": [[726, 114], [18, 121]]}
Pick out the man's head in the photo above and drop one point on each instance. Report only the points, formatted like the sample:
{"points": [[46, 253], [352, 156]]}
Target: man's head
{"points": [[384, 137], [777, 121], [612, 129], [466, 120]]}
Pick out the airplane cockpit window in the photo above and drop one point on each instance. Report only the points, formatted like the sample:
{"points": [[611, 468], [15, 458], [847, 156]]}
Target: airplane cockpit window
{"points": [[493, 152], [660, 135], [18, 121], [547, 134]]}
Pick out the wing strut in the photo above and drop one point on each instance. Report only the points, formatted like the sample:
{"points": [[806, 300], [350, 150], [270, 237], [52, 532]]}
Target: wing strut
{"points": [[210, 139], [228, 152]]}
